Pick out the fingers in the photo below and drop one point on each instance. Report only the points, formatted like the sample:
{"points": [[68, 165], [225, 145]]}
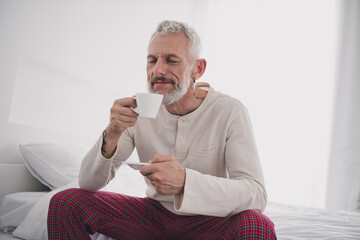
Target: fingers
{"points": [[126, 102], [123, 107], [167, 188], [161, 158], [165, 174], [163, 186], [147, 170], [122, 116], [154, 166]]}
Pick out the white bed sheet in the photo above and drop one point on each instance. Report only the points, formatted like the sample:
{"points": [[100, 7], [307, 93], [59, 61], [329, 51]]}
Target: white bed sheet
{"points": [[296, 222], [33, 227], [14, 207], [291, 222], [7, 236]]}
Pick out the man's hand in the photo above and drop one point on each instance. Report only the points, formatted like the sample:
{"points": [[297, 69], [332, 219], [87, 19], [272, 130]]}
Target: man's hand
{"points": [[165, 174], [121, 117]]}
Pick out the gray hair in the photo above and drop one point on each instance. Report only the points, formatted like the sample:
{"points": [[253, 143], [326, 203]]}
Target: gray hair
{"points": [[167, 27]]}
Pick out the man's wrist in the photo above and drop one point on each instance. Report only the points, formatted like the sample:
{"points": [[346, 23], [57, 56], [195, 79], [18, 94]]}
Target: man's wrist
{"points": [[109, 143], [104, 135]]}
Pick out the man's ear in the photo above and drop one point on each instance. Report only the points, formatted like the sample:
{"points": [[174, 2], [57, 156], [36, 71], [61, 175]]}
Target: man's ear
{"points": [[199, 68]]}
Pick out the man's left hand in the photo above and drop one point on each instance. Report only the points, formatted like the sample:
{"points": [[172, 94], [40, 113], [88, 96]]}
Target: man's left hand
{"points": [[165, 174]]}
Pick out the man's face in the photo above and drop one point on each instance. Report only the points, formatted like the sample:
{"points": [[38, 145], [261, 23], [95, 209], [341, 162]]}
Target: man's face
{"points": [[169, 66]]}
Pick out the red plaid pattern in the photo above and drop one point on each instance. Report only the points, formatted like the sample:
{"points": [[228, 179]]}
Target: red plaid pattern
{"points": [[76, 213]]}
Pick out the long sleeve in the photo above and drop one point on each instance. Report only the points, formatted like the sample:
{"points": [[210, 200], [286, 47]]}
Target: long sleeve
{"points": [[243, 189], [215, 196], [96, 171]]}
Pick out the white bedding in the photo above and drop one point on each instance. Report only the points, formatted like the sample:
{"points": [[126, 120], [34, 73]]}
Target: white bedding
{"points": [[291, 222], [14, 207], [29, 213], [296, 222], [33, 225]]}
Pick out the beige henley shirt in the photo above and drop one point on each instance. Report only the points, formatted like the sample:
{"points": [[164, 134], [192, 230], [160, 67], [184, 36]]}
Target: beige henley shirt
{"points": [[214, 143]]}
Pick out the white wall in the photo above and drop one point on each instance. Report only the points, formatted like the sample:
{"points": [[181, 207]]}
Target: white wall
{"points": [[62, 64], [278, 58]]}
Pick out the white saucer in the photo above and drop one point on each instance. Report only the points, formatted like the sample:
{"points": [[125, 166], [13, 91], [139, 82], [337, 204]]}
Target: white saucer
{"points": [[135, 165]]}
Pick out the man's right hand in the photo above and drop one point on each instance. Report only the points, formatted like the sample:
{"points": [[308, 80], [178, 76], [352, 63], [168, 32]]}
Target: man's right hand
{"points": [[121, 117]]}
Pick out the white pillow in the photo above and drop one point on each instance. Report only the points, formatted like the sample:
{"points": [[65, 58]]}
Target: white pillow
{"points": [[53, 164]]}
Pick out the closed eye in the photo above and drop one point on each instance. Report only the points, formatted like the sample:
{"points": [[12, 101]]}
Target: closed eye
{"points": [[151, 60], [172, 60]]}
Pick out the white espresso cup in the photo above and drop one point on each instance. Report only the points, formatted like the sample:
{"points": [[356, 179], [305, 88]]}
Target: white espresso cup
{"points": [[148, 104]]}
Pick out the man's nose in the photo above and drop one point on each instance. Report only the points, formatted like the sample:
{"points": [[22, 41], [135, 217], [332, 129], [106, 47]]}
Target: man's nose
{"points": [[160, 68]]}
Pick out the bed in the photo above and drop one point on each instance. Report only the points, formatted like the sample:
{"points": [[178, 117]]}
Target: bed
{"points": [[25, 191]]}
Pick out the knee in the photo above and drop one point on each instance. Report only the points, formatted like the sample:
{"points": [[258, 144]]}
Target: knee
{"points": [[253, 225], [66, 197]]}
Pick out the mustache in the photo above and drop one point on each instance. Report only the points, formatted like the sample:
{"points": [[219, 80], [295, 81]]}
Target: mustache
{"points": [[162, 79]]}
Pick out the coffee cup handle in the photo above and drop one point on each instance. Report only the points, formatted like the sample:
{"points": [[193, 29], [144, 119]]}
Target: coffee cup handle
{"points": [[135, 109]]}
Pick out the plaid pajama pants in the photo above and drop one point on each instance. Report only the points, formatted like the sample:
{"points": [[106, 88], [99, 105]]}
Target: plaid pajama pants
{"points": [[75, 214]]}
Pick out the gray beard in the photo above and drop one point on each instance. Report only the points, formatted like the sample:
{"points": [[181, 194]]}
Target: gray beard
{"points": [[175, 95]]}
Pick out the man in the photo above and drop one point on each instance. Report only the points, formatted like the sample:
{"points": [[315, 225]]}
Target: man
{"points": [[204, 180]]}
